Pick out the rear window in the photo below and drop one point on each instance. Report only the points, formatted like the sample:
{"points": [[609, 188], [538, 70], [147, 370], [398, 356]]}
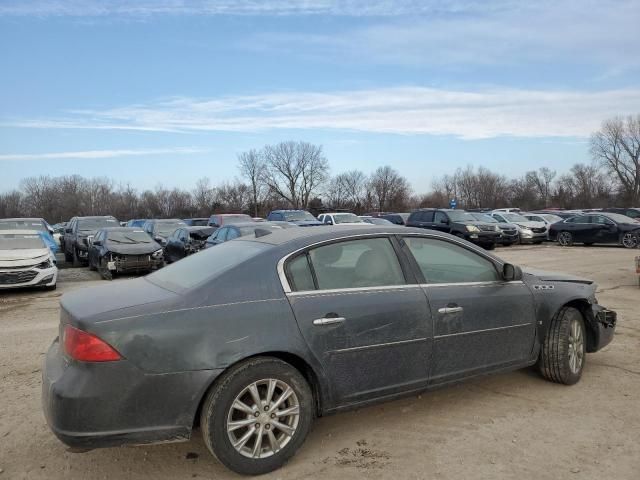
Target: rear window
{"points": [[90, 224], [22, 225], [205, 265]]}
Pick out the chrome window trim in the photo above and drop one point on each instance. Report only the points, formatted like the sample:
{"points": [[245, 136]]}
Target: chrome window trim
{"points": [[287, 288], [483, 330], [487, 283]]}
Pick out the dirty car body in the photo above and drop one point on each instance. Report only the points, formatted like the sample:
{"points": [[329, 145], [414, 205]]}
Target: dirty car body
{"points": [[362, 313]]}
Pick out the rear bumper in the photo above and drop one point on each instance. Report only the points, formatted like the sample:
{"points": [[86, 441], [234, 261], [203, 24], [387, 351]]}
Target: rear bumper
{"points": [[91, 405], [603, 324]]}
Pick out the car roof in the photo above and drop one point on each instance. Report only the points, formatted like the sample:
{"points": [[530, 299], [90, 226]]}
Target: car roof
{"points": [[229, 215], [94, 216], [166, 220], [321, 233], [197, 228], [28, 219], [122, 229]]}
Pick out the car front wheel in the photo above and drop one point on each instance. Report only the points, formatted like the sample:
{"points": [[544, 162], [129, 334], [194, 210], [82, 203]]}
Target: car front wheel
{"points": [[563, 352], [565, 239], [257, 415]]}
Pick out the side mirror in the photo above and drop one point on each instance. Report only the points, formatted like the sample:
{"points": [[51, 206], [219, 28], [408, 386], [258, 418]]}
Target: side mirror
{"points": [[445, 221], [511, 272], [67, 230], [97, 243]]}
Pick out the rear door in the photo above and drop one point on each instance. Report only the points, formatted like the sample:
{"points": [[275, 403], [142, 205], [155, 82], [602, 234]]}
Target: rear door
{"points": [[481, 323], [363, 317]]}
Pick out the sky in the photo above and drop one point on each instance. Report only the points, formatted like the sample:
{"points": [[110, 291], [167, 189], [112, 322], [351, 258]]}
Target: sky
{"points": [[166, 92]]}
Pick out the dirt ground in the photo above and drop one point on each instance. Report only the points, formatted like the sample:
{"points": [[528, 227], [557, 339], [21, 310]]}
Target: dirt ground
{"points": [[506, 426]]}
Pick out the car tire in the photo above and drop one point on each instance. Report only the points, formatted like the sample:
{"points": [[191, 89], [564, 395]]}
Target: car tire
{"points": [[235, 386], [565, 239], [508, 244], [50, 288], [68, 257], [629, 240], [564, 349], [76, 259], [92, 266], [105, 273], [490, 246]]}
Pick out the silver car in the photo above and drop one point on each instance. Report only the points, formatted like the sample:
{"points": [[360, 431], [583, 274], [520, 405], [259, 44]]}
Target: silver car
{"points": [[529, 232]]}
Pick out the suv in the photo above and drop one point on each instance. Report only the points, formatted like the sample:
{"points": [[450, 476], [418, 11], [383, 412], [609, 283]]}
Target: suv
{"points": [[528, 231], [456, 222], [302, 218], [78, 235], [160, 229], [341, 219], [396, 218]]}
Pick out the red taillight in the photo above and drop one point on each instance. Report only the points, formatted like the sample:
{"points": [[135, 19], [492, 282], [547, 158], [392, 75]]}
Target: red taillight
{"points": [[86, 347]]}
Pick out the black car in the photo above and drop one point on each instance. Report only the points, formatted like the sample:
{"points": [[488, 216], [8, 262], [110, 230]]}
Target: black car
{"points": [[253, 339], [593, 228], [229, 232], [196, 222], [627, 212], [185, 241], [78, 235], [458, 223], [160, 229], [396, 218], [124, 250]]}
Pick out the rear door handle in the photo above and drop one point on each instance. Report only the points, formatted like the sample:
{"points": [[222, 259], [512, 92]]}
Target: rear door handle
{"points": [[328, 321], [446, 310]]}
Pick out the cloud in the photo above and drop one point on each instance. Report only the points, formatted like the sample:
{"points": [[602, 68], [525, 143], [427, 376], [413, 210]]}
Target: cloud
{"points": [[96, 154], [576, 33], [403, 110], [137, 8]]}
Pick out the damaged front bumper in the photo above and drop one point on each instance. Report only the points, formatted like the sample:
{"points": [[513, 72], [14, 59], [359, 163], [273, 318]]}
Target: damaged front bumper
{"points": [[603, 323], [133, 263]]}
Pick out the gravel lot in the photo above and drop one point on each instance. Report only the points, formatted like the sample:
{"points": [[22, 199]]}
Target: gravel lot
{"points": [[506, 426]]}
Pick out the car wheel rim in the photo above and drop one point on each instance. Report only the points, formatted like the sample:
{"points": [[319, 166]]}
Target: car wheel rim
{"points": [[564, 239], [263, 418], [576, 347], [629, 240]]}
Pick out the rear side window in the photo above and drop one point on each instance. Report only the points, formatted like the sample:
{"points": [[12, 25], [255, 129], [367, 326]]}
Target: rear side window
{"points": [[299, 274], [356, 264], [443, 262]]}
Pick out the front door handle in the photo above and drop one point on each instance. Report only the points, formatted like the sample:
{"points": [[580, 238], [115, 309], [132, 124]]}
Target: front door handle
{"points": [[328, 321], [447, 310]]}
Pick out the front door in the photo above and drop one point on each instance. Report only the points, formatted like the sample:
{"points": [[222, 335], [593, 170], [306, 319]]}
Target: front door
{"points": [[367, 326], [481, 322]]}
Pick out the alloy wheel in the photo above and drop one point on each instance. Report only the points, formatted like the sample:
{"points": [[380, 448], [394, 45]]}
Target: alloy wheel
{"points": [[576, 346], [263, 418], [630, 240], [565, 239]]}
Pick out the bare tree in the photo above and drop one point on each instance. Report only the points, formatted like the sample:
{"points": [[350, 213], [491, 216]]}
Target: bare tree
{"points": [[252, 169], [542, 180], [389, 189], [204, 197], [617, 148], [294, 171]]}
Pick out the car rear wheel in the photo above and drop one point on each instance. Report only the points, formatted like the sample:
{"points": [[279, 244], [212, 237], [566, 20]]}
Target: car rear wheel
{"points": [[257, 415], [629, 240], [565, 239], [76, 258], [563, 352]]}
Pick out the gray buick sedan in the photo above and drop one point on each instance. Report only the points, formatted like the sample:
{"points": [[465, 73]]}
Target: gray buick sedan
{"points": [[253, 339]]}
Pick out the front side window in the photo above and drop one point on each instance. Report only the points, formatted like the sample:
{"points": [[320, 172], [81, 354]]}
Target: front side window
{"points": [[440, 218], [233, 233], [363, 263], [443, 262]]}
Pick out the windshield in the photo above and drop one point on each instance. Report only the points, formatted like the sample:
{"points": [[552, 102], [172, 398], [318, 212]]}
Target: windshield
{"points": [[458, 216], [346, 218], [20, 241], [230, 219], [552, 218], [166, 229], [618, 218], [514, 217], [37, 225], [135, 236], [299, 216], [205, 265], [484, 218], [91, 224]]}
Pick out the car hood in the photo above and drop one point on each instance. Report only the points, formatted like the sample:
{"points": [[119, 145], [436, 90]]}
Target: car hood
{"points": [[546, 276], [531, 224], [23, 258], [306, 223], [133, 249], [115, 300]]}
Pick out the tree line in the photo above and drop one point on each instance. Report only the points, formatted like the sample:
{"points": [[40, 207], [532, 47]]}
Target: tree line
{"points": [[297, 175]]}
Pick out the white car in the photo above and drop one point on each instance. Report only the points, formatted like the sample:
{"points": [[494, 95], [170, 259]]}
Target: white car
{"points": [[529, 232], [341, 219], [26, 261], [547, 218]]}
